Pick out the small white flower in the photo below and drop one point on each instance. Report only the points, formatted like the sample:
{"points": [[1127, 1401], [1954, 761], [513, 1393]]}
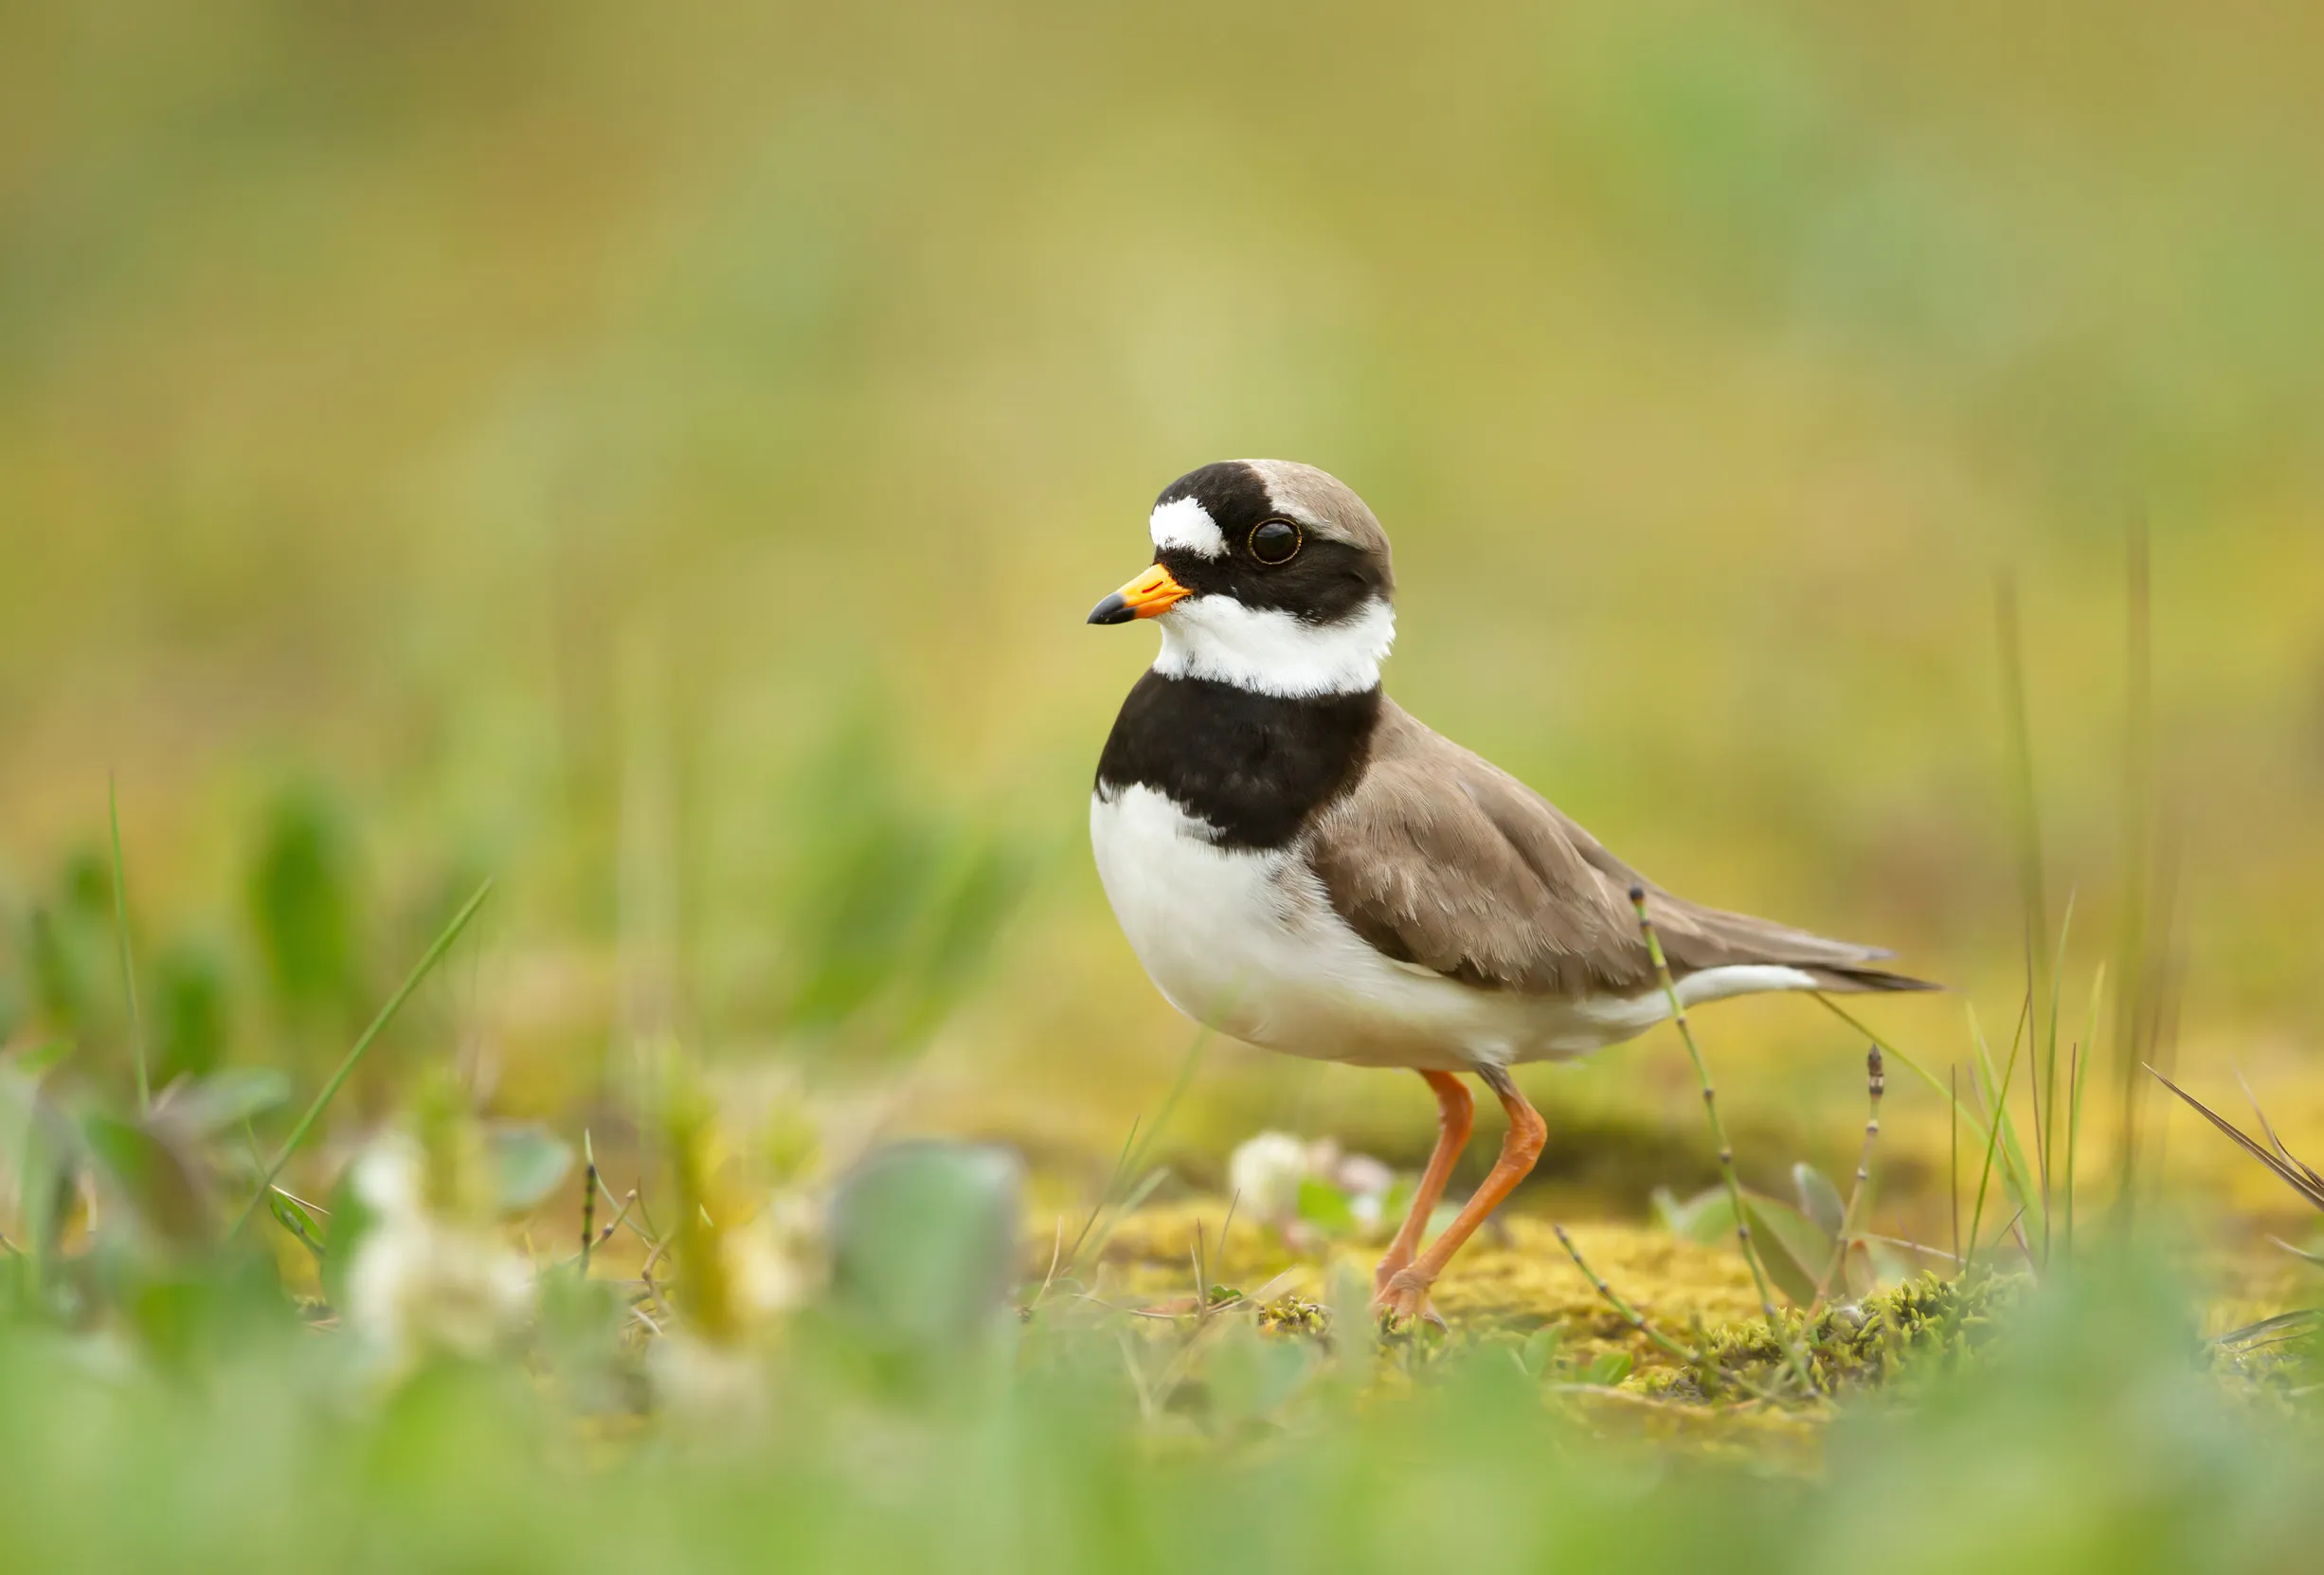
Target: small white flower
{"points": [[1264, 1174], [418, 1284], [1361, 1176], [774, 1261]]}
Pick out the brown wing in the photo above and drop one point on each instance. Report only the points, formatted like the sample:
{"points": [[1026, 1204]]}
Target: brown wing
{"points": [[1442, 860]]}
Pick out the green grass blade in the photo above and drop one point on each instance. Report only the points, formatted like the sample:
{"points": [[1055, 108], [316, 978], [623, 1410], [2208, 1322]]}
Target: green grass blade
{"points": [[2135, 984], [1997, 1096], [2078, 1077], [2025, 804], [129, 966], [387, 1015], [1132, 1181], [2017, 1177], [2045, 1102]]}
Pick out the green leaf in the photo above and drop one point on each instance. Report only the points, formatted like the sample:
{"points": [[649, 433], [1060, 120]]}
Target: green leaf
{"points": [[64, 958], [1820, 1198], [1865, 1268], [1791, 1249], [923, 1240], [192, 1012], [45, 1178], [299, 1220], [36, 1060], [229, 1098], [1707, 1219], [158, 1183], [1540, 1352], [529, 1163], [1610, 1368], [302, 899], [1325, 1207]]}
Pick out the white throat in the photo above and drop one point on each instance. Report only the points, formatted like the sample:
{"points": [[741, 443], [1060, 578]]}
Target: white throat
{"points": [[1271, 652]]}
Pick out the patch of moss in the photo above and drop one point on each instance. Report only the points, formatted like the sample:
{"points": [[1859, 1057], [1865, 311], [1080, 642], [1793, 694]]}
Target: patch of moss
{"points": [[1151, 1253], [1290, 1314], [1924, 1326], [1514, 1279]]}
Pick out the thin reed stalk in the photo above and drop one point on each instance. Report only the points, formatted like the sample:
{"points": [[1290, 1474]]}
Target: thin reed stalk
{"points": [[1703, 1367], [588, 1215], [1876, 1084], [1719, 1133]]}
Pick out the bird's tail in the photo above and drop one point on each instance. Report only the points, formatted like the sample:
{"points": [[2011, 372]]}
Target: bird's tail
{"points": [[1710, 938], [1865, 981]]}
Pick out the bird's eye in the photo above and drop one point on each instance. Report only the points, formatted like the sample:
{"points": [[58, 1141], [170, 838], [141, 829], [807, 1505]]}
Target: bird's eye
{"points": [[1274, 541]]}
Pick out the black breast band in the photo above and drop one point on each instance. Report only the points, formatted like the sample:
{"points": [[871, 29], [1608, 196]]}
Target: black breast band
{"points": [[1253, 766]]}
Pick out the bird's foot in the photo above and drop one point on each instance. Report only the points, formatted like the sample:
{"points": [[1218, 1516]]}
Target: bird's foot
{"points": [[1402, 1302]]}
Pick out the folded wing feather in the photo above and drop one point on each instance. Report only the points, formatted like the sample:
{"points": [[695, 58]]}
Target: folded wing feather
{"points": [[1441, 859]]}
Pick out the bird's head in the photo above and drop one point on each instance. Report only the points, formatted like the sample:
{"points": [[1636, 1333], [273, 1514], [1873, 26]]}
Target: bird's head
{"points": [[1267, 575]]}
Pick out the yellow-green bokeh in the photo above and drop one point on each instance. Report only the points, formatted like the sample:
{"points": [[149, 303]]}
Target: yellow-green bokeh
{"points": [[554, 425]]}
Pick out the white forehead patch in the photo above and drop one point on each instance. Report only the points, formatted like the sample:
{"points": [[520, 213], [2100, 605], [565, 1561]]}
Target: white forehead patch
{"points": [[1186, 526]]}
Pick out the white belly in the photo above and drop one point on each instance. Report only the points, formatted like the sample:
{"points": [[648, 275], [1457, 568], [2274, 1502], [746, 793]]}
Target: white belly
{"points": [[1247, 943]]}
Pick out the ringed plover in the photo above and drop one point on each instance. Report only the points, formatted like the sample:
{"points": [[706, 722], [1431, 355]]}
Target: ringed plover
{"points": [[1301, 864]]}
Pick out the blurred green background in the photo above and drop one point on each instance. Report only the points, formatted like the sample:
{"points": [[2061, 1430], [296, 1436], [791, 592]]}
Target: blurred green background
{"points": [[664, 458]]}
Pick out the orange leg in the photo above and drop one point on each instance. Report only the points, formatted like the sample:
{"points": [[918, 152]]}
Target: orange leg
{"points": [[1455, 1114], [1406, 1295]]}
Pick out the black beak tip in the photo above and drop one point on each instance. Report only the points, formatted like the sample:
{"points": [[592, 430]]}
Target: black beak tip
{"points": [[1111, 611]]}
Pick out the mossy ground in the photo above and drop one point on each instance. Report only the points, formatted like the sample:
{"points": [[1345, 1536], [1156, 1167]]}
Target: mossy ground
{"points": [[1516, 1287], [1512, 1280]]}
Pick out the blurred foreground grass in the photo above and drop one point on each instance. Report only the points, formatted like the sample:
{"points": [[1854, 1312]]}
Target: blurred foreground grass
{"points": [[2087, 1443], [869, 1365], [776, 1336]]}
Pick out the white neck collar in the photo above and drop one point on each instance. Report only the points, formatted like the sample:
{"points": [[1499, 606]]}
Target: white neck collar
{"points": [[1271, 652]]}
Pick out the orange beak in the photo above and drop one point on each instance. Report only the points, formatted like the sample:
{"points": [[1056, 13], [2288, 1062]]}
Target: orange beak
{"points": [[1150, 594]]}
